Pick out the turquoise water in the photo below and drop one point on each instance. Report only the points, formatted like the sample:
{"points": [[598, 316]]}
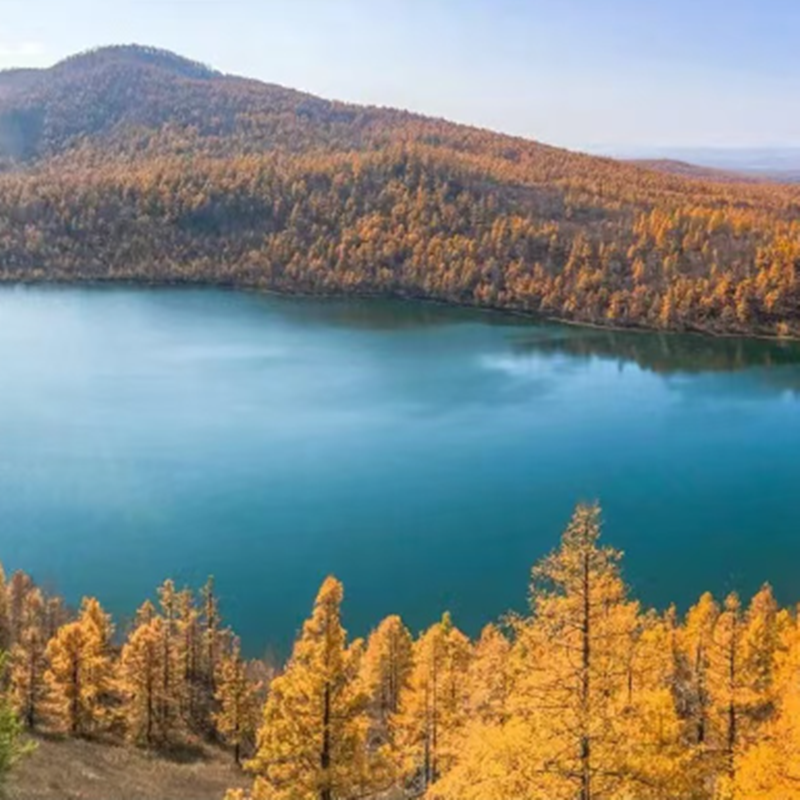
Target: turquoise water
{"points": [[426, 456]]}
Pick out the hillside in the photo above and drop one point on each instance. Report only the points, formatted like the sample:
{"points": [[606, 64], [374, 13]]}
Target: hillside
{"points": [[131, 163]]}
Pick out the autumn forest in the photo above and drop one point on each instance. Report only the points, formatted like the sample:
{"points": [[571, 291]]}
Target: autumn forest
{"points": [[133, 164]]}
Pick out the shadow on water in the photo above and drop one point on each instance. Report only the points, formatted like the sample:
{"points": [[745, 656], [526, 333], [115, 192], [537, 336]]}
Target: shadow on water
{"points": [[385, 314]]}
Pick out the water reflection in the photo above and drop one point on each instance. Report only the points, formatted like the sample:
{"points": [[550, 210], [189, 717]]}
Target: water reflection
{"points": [[380, 314], [775, 363]]}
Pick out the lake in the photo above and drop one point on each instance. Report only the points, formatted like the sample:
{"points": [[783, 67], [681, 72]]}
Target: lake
{"points": [[426, 456]]}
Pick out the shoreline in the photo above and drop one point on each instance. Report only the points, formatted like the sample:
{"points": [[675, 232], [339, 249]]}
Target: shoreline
{"points": [[531, 316]]}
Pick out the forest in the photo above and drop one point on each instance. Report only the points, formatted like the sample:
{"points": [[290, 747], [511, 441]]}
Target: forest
{"points": [[585, 695], [131, 164]]}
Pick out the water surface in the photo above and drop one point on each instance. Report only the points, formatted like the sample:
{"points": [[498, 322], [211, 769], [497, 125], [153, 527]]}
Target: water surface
{"points": [[426, 456]]}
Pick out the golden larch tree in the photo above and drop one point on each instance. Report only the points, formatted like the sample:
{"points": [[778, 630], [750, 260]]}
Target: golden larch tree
{"points": [[385, 672], [312, 744], [80, 672], [238, 701], [434, 707], [769, 769], [488, 678], [28, 663], [189, 650], [695, 644], [582, 628], [173, 689], [141, 683], [18, 588]]}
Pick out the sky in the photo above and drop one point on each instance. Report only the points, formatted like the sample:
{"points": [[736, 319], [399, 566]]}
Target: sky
{"points": [[611, 76]]}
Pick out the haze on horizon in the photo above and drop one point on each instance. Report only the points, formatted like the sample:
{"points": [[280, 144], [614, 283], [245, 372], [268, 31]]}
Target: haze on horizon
{"points": [[621, 77]]}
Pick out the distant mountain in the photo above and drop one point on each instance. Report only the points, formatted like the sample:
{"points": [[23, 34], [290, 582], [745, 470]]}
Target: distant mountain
{"points": [[776, 163], [747, 159], [134, 163], [673, 167]]}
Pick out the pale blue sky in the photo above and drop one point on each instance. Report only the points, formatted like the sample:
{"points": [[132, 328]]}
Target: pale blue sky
{"points": [[579, 73]]}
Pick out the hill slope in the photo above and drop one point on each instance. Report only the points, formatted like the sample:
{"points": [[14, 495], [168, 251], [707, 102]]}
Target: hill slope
{"points": [[133, 163], [83, 770]]}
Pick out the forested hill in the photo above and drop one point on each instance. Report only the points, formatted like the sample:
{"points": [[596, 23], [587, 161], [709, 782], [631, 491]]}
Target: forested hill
{"points": [[133, 163]]}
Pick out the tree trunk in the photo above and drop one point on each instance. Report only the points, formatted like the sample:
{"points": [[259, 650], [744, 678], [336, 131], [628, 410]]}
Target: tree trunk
{"points": [[732, 716], [76, 695], [586, 746], [325, 756]]}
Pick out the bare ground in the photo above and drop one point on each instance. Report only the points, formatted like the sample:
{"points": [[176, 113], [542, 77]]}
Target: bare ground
{"points": [[83, 770]]}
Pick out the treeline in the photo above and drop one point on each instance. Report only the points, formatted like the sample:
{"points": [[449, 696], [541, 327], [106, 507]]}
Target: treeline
{"points": [[175, 676], [136, 164], [587, 695]]}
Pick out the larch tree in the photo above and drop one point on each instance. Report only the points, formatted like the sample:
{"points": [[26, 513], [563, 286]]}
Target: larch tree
{"points": [[385, 672], [434, 706], [312, 744], [763, 650], [583, 623], [144, 614], [572, 697], [172, 691], [727, 691], [696, 644], [488, 678], [769, 769], [750, 650], [18, 588], [28, 663], [239, 703], [188, 630], [654, 757], [493, 747], [141, 682], [80, 672], [211, 633], [56, 615]]}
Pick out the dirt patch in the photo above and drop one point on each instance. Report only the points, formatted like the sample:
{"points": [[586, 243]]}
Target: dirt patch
{"points": [[82, 770]]}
